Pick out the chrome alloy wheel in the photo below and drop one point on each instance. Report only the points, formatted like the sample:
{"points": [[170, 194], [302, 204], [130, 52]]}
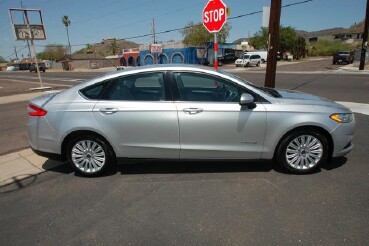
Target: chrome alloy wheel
{"points": [[88, 156], [304, 152]]}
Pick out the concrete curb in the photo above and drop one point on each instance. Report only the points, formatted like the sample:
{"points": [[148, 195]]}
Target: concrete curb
{"points": [[353, 70], [22, 164]]}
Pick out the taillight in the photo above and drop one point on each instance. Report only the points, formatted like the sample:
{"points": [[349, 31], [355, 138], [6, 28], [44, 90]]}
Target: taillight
{"points": [[36, 111]]}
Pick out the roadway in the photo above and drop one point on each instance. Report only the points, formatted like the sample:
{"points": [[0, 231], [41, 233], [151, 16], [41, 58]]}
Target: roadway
{"points": [[179, 203]]}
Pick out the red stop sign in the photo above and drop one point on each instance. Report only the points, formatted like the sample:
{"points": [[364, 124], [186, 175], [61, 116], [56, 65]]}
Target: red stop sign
{"points": [[214, 15]]}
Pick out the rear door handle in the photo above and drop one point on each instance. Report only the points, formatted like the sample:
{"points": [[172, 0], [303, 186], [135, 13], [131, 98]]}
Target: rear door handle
{"points": [[108, 111], [193, 110]]}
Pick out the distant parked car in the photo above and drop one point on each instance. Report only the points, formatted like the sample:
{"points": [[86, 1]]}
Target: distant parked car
{"points": [[247, 60], [343, 57], [10, 68], [263, 54], [41, 66], [228, 58]]}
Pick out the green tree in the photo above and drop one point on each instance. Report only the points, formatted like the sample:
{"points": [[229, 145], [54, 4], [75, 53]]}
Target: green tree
{"points": [[66, 22], [197, 35], [54, 52], [2, 60], [289, 40], [260, 39], [301, 48]]}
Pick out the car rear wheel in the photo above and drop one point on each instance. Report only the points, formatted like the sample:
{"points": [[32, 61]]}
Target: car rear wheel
{"points": [[303, 151], [89, 155]]}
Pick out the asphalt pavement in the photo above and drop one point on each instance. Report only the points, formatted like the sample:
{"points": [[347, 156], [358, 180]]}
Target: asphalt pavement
{"points": [[187, 203]]}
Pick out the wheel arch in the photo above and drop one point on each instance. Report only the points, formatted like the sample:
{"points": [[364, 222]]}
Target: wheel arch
{"points": [[79, 133], [318, 129]]}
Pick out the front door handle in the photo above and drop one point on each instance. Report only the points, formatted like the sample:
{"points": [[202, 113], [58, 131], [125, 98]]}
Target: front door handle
{"points": [[108, 111], [192, 110]]}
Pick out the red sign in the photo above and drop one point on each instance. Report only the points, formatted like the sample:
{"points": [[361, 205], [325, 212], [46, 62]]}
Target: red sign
{"points": [[214, 15]]}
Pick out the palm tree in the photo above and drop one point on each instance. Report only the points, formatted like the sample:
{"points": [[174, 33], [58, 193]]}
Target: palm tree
{"points": [[66, 22]]}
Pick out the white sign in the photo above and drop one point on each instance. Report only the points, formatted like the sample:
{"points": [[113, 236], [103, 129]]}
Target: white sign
{"points": [[156, 48], [22, 32], [266, 15]]}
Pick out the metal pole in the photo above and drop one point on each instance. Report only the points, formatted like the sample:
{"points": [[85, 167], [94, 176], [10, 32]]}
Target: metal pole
{"points": [[365, 38], [30, 36], [215, 51], [153, 32], [24, 21], [16, 53], [274, 20]]}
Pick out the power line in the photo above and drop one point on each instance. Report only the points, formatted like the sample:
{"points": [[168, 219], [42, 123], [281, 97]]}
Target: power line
{"points": [[14, 52], [187, 27], [111, 13], [150, 18]]}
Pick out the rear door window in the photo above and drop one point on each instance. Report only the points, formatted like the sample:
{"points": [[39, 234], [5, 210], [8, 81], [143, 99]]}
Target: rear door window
{"points": [[141, 87]]}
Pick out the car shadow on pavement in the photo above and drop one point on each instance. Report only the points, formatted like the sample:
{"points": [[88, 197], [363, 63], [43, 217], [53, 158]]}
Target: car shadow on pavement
{"points": [[169, 167], [131, 167], [333, 164]]}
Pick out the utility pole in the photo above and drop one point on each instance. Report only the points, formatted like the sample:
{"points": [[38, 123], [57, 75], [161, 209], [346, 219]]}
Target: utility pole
{"points": [[274, 20], [15, 51], [153, 30], [24, 22], [153, 34], [365, 38]]}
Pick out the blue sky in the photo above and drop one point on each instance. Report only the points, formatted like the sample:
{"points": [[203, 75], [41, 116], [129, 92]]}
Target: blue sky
{"points": [[93, 20]]}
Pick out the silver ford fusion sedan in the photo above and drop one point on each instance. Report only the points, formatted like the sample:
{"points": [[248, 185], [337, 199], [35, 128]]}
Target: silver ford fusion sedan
{"points": [[186, 112]]}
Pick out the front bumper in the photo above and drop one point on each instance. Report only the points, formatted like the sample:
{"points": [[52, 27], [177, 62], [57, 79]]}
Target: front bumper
{"points": [[343, 139]]}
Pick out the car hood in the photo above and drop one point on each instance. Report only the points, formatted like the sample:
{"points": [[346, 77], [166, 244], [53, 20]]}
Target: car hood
{"points": [[297, 97]]}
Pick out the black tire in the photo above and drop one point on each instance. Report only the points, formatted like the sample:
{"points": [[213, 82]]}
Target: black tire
{"points": [[258, 64], [262, 60], [247, 64], [281, 153], [107, 150]]}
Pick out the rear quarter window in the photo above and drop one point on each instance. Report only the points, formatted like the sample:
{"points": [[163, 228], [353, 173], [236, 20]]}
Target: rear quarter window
{"points": [[93, 92]]}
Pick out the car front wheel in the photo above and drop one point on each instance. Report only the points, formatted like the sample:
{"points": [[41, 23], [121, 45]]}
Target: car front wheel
{"points": [[303, 151], [89, 155]]}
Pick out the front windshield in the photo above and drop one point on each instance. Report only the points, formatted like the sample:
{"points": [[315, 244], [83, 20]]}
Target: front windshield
{"points": [[238, 78], [270, 91], [245, 57]]}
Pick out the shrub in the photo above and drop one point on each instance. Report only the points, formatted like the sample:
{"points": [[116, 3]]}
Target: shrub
{"points": [[327, 48]]}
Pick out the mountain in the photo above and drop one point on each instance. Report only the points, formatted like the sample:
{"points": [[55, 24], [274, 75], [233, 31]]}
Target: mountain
{"points": [[356, 28], [104, 48]]}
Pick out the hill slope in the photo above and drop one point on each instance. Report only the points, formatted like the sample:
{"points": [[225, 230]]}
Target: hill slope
{"points": [[105, 47]]}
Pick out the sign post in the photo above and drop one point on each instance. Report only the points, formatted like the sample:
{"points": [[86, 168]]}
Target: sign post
{"points": [[214, 16], [28, 31], [156, 49]]}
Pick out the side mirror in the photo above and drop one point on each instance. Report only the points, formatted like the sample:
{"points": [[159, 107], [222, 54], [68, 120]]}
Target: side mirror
{"points": [[247, 100]]}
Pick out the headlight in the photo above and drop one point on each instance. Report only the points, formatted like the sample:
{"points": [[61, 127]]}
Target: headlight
{"points": [[342, 118]]}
